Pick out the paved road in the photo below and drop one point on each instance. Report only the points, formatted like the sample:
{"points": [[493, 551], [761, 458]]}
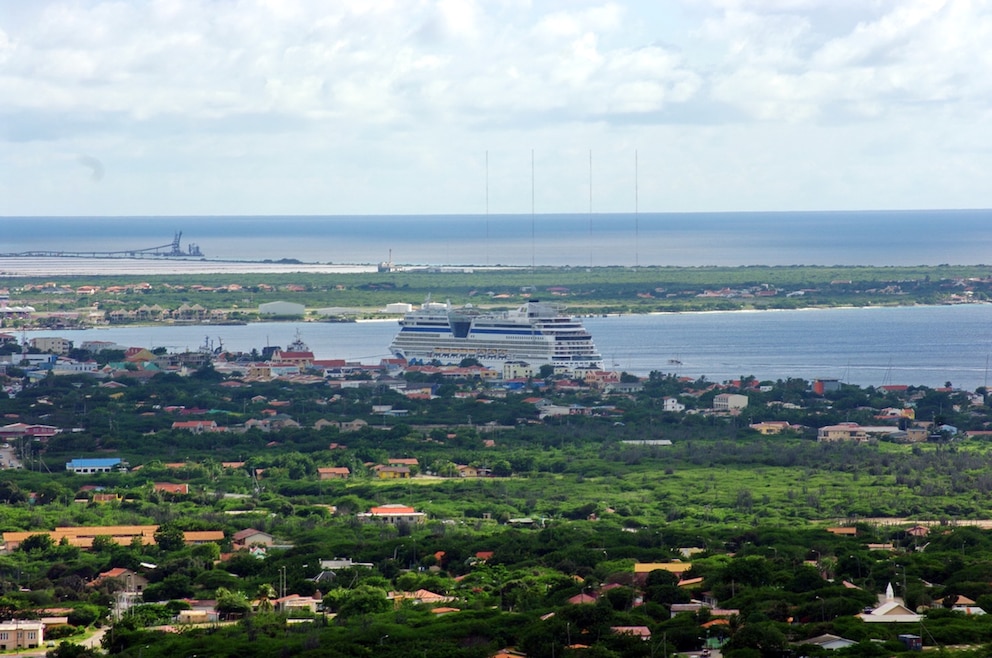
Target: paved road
{"points": [[93, 641], [7, 459]]}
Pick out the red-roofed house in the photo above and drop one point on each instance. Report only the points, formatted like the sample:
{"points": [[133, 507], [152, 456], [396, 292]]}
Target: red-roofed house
{"points": [[251, 537], [334, 472], [296, 602], [171, 488], [196, 426], [642, 632], [17, 430], [581, 599], [130, 581], [302, 359], [393, 514], [391, 472], [420, 596]]}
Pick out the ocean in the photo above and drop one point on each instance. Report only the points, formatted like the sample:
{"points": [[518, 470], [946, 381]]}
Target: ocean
{"points": [[921, 237], [920, 345]]}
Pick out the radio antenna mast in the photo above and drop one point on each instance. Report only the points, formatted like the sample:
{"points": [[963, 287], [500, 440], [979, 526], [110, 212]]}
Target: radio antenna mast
{"points": [[487, 207], [532, 245], [636, 215], [590, 209]]}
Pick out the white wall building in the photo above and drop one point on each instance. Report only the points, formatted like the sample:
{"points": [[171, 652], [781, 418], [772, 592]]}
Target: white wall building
{"points": [[729, 402], [281, 308], [518, 370], [52, 344]]}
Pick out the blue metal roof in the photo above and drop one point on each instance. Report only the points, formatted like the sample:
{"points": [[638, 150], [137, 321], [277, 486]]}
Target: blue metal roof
{"points": [[93, 463]]}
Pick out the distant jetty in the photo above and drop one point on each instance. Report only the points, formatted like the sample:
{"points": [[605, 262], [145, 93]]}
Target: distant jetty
{"points": [[170, 250]]}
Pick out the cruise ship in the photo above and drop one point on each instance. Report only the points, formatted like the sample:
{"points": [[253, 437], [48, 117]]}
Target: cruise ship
{"points": [[537, 333]]}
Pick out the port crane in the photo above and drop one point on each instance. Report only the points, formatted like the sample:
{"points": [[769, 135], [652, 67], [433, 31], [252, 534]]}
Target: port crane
{"points": [[170, 250]]}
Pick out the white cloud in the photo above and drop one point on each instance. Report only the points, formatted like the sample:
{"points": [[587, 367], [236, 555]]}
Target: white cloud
{"points": [[780, 68], [568, 24], [340, 100]]}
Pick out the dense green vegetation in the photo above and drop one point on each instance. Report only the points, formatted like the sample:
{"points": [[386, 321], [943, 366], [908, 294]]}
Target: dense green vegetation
{"points": [[568, 505]]}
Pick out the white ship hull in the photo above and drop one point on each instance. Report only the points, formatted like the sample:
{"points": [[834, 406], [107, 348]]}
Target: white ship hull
{"points": [[536, 333]]}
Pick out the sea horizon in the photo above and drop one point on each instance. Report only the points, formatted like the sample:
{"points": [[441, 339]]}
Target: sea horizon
{"points": [[703, 239]]}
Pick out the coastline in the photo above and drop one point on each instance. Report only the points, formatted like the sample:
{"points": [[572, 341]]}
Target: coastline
{"points": [[167, 293], [374, 315], [26, 267], [815, 307], [922, 345]]}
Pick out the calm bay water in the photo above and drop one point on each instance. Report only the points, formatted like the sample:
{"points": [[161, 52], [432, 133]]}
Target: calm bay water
{"points": [[921, 237], [925, 345]]}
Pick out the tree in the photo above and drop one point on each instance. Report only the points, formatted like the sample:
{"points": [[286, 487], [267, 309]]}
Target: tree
{"points": [[84, 615], [49, 492], [215, 579], [502, 468], [170, 537], [72, 650], [103, 543], [206, 373], [207, 553], [764, 636], [40, 543], [444, 468], [265, 594], [232, 603], [363, 600], [174, 586], [10, 492]]}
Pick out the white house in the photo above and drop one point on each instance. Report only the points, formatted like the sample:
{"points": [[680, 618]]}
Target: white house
{"points": [[829, 641], [729, 402], [890, 610], [251, 537], [52, 344], [961, 603], [518, 370], [343, 563], [70, 367], [672, 404], [393, 514]]}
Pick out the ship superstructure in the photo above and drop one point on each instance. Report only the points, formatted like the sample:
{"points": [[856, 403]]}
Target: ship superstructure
{"points": [[536, 332]]}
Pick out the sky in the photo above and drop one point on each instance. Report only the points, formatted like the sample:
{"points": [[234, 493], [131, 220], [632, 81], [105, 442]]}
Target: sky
{"points": [[317, 107]]}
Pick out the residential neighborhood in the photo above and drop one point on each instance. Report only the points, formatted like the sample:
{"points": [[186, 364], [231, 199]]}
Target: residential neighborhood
{"points": [[192, 489]]}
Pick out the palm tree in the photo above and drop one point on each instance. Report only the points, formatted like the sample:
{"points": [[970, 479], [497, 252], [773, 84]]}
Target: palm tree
{"points": [[265, 594]]}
